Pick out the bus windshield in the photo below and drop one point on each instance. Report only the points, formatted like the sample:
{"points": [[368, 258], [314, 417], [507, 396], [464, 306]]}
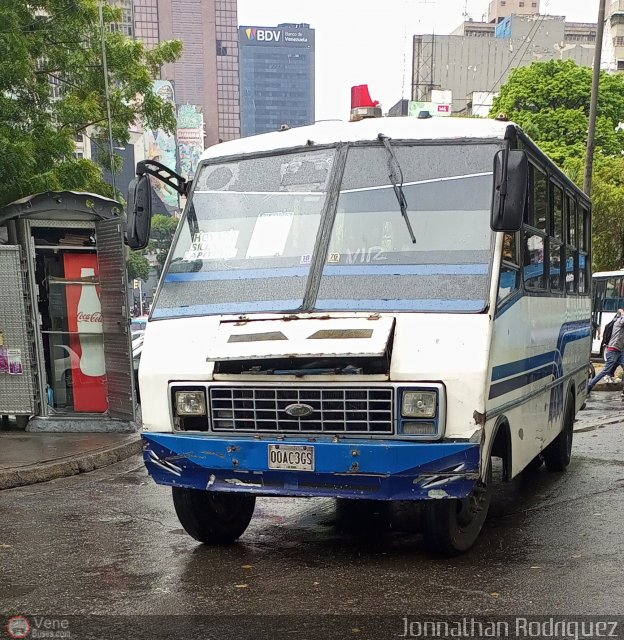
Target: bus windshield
{"points": [[255, 228], [372, 262]]}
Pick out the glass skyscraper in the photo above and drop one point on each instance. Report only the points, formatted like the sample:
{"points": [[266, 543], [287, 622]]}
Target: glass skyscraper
{"points": [[276, 77]]}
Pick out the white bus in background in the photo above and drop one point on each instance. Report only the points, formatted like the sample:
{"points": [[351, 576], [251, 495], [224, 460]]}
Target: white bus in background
{"points": [[370, 310], [607, 298]]}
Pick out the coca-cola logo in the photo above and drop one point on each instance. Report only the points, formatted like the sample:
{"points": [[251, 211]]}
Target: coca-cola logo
{"points": [[89, 317]]}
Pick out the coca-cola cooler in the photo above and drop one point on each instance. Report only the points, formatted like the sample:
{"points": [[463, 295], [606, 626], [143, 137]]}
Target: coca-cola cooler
{"points": [[84, 318]]}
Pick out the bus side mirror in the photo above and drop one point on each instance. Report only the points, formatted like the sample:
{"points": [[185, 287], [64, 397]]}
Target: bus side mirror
{"points": [[511, 175], [139, 222]]}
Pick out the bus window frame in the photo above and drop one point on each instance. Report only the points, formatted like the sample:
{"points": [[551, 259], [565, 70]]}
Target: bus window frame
{"points": [[571, 241], [553, 239], [514, 265], [528, 228], [581, 219], [584, 249]]}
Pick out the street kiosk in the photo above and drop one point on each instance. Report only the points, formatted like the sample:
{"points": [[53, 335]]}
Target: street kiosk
{"points": [[65, 355]]}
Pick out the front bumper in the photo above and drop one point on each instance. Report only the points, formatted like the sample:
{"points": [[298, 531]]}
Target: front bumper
{"points": [[365, 469]]}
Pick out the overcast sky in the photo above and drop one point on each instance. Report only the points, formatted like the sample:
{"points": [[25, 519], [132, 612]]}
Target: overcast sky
{"points": [[369, 41]]}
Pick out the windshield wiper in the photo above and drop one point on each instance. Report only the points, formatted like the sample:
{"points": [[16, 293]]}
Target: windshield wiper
{"points": [[395, 174]]}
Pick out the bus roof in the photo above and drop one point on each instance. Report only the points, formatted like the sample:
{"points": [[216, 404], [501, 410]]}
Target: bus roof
{"points": [[331, 132]]}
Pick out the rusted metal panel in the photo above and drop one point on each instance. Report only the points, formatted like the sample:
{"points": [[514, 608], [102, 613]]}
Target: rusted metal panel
{"points": [[17, 387], [358, 336], [115, 319]]}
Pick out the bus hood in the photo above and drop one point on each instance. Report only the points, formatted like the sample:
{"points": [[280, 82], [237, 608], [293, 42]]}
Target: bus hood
{"points": [[301, 338]]}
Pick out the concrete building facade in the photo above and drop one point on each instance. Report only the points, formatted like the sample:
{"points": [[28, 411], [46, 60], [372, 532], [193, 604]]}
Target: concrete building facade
{"points": [[207, 74], [126, 26], [277, 77], [613, 52], [478, 57], [500, 9]]}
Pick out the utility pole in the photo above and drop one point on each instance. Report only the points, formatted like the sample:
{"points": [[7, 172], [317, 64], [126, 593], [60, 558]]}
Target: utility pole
{"points": [[593, 105], [107, 97]]}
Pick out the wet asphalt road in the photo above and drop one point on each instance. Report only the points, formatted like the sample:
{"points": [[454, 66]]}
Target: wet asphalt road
{"points": [[109, 542]]}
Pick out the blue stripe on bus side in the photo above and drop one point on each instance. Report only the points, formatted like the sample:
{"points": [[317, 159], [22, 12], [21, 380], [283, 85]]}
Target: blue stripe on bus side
{"points": [[521, 373], [507, 386], [520, 366]]}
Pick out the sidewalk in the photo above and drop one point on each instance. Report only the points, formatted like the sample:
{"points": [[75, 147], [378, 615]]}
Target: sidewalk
{"points": [[27, 458]]}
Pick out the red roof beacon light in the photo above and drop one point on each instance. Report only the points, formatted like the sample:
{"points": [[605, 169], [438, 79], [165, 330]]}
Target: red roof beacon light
{"points": [[362, 105]]}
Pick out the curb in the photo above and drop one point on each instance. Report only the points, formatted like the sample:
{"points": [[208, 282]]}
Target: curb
{"points": [[69, 466], [608, 386]]}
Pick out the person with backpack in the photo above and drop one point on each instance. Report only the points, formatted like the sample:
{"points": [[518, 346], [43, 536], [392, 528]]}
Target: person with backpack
{"points": [[613, 335]]}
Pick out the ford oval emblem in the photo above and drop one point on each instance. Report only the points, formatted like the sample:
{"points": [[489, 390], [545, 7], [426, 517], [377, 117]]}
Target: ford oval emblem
{"points": [[299, 410]]}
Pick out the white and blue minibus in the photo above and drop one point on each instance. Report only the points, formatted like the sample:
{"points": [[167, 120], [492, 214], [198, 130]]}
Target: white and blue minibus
{"points": [[369, 310]]}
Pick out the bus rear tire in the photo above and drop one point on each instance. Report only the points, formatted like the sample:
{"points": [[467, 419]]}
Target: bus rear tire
{"points": [[211, 517], [452, 526], [558, 453]]}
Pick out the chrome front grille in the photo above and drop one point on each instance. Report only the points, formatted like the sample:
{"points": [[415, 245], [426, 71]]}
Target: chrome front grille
{"points": [[334, 410]]}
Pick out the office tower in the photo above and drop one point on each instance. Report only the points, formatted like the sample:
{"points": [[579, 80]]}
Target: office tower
{"points": [[277, 77]]}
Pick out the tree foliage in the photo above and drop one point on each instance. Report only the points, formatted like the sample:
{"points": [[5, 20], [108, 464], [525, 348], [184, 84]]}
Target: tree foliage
{"points": [[550, 101], [608, 206], [52, 88], [163, 230], [608, 219], [138, 266]]}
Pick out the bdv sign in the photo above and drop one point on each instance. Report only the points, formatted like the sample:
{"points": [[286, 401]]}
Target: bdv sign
{"points": [[266, 35]]}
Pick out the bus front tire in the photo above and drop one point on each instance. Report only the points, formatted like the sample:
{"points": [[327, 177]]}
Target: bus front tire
{"points": [[558, 453], [211, 517], [451, 526]]}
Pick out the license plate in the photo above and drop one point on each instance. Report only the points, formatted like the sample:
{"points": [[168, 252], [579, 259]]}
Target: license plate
{"points": [[291, 457]]}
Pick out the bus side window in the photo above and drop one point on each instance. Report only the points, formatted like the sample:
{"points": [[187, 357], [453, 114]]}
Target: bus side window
{"points": [[571, 253], [540, 200], [534, 259], [509, 280], [583, 241], [557, 254]]}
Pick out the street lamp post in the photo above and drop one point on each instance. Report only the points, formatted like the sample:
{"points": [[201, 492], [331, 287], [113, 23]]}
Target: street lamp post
{"points": [[107, 97], [593, 105]]}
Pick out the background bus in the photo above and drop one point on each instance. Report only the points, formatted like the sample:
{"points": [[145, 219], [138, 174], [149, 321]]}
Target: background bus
{"points": [[607, 298]]}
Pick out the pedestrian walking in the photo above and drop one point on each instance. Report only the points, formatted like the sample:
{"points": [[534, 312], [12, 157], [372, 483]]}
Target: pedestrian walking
{"points": [[615, 357]]}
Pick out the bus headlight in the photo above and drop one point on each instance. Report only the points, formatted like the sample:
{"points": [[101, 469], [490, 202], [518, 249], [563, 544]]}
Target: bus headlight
{"points": [[419, 404], [190, 403]]}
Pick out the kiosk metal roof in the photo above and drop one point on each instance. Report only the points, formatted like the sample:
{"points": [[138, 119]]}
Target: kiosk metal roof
{"points": [[61, 205]]}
